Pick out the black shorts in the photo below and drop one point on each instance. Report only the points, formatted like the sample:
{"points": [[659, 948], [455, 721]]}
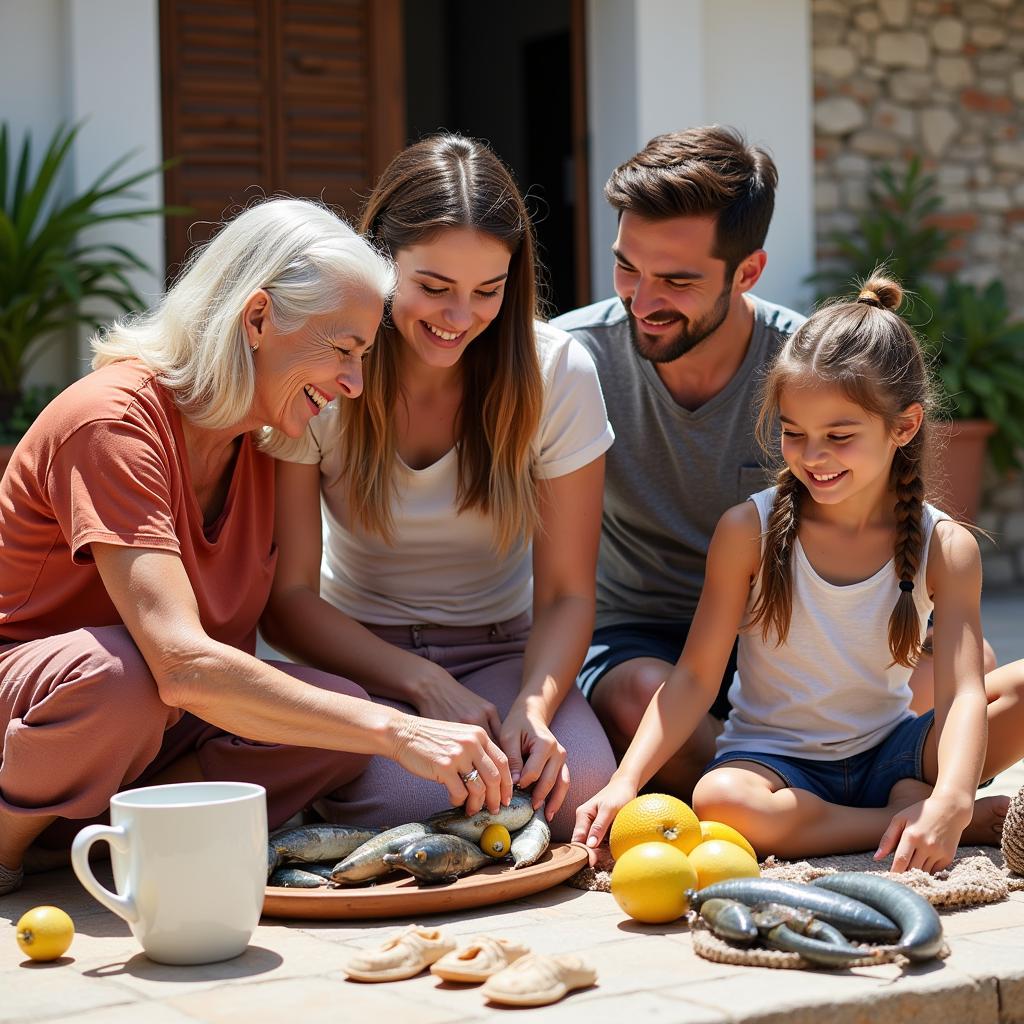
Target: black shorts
{"points": [[612, 645]]}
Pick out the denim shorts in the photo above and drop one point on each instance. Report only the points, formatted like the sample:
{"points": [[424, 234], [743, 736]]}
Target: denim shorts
{"points": [[612, 645], [863, 780]]}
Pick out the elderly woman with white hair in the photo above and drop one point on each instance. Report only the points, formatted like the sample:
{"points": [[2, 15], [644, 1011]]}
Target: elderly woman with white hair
{"points": [[136, 550]]}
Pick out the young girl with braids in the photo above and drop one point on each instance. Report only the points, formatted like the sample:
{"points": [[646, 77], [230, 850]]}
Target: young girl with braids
{"points": [[829, 578]]}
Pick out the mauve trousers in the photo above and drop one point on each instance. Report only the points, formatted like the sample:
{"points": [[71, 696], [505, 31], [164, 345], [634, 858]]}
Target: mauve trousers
{"points": [[489, 661], [83, 719]]}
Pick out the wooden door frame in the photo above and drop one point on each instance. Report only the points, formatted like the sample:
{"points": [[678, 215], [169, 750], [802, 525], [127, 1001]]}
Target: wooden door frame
{"points": [[580, 148]]}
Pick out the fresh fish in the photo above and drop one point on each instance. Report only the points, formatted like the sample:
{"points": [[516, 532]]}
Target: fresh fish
{"points": [[802, 921], [367, 861], [729, 920], [850, 916], [920, 926], [455, 823], [309, 843], [312, 876], [530, 842], [438, 858]]}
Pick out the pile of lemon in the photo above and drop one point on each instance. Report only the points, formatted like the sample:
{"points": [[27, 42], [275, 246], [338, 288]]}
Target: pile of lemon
{"points": [[661, 849]]}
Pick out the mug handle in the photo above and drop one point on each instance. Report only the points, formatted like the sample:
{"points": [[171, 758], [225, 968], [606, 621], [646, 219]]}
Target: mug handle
{"points": [[117, 837]]}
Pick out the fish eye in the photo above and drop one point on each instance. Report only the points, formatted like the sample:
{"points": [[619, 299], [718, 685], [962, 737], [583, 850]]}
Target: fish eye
{"points": [[420, 855]]}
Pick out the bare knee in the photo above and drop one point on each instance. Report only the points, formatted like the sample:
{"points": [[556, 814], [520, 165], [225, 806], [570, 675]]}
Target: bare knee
{"points": [[719, 795], [622, 696]]}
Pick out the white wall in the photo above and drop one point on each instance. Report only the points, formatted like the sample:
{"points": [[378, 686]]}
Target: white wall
{"points": [[94, 61], [659, 65]]}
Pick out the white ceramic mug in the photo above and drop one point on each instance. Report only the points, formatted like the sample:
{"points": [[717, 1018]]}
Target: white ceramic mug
{"points": [[190, 867]]}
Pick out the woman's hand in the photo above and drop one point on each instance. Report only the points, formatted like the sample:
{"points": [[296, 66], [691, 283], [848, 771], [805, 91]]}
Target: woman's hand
{"points": [[925, 835], [595, 817], [439, 695], [447, 752], [535, 758]]}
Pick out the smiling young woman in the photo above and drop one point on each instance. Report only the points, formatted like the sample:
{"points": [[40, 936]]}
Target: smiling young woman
{"points": [[462, 493]]}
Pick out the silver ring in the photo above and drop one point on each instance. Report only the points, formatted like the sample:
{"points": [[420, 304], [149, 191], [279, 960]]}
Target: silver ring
{"points": [[469, 776]]}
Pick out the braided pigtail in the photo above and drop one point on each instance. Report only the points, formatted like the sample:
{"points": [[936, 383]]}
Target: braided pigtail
{"points": [[904, 623], [773, 608]]}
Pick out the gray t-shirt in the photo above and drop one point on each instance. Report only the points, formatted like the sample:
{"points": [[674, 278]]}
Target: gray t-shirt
{"points": [[672, 472]]}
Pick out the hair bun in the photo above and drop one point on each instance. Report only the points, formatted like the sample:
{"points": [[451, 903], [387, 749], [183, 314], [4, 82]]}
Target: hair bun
{"points": [[883, 292]]}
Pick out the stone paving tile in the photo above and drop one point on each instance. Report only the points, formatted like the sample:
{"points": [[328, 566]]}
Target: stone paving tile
{"points": [[989, 917], [767, 996], [306, 1000], [38, 991], [132, 1013], [595, 1007]]}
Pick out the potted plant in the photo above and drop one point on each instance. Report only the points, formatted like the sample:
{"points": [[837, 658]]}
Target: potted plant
{"points": [[49, 270], [975, 345]]}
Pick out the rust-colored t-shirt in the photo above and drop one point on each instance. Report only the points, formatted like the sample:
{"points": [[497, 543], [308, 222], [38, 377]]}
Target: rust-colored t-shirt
{"points": [[106, 461]]}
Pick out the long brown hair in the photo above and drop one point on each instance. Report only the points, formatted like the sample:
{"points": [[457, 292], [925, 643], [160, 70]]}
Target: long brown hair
{"points": [[870, 352], [448, 181]]}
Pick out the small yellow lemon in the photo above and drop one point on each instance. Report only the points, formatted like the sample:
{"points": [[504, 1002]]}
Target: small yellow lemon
{"points": [[495, 841], [45, 933], [719, 830], [718, 860], [654, 817], [649, 882]]}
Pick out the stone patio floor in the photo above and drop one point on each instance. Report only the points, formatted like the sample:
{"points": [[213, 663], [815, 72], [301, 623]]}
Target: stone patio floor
{"points": [[292, 970]]}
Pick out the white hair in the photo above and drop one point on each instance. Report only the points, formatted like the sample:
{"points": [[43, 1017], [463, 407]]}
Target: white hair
{"points": [[305, 257]]}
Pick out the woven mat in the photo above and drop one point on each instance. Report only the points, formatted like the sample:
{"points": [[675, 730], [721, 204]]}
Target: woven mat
{"points": [[978, 875]]}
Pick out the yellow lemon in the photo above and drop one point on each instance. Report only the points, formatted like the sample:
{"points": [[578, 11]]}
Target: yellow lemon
{"points": [[719, 830], [45, 933], [649, 882], [718, 860], [495, 841], [654, 817]]}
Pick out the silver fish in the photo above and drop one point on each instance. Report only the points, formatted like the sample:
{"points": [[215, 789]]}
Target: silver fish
{"points": [[530, 842], [367, 862], [309, 843], [438, 858], [312, 876], [455, 823]]}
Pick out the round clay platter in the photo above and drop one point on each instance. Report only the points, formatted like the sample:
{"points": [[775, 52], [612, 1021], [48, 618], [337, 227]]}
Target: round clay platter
{"points": [[405, 897]]}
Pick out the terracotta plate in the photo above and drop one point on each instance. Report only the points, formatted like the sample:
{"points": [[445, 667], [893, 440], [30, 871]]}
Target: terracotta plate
{"points": [[404, 897]]}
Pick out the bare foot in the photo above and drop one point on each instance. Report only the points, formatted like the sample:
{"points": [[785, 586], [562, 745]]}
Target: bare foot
{"points": [[986, 827]]}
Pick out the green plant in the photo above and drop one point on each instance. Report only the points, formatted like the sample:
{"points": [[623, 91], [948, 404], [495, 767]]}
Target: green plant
{"points": [[975, 344], [49, 270], [977, 351]]}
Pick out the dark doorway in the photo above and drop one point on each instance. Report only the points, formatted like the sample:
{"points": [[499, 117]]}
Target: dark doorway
{"points": [[507, 73]]}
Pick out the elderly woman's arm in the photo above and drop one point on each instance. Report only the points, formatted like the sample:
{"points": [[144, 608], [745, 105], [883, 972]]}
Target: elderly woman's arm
{"points": [[299, 622], [245, 696], [564, 568]]}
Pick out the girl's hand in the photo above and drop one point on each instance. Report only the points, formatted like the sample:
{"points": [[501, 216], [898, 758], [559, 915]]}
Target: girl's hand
{"points": [[446, 752], [925, 835], [439, 695], [535, 758], [595, 817]]}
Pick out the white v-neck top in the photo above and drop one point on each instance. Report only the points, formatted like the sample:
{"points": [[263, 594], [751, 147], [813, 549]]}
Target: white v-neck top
{"points": [[831, 690], [443, 568]]}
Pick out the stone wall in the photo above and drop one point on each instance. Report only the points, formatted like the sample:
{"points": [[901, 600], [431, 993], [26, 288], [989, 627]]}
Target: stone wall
{"points": [[942, 80]]}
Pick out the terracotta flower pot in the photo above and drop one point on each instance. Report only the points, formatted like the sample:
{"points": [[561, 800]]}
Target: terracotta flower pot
{"points": [[961, 460]]}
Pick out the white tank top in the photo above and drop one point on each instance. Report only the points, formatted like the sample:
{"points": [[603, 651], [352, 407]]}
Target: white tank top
{"points": [[830, 691]]}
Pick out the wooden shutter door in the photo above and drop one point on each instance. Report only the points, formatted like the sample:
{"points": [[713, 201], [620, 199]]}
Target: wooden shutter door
{"points": [[268, 96]]}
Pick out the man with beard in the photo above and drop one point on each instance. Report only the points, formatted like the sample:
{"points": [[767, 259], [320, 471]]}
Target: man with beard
{"points": [[679, 353]]}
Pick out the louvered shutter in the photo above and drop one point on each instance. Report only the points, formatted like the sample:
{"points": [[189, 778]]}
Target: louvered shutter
{"points": [[267, 96]]}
